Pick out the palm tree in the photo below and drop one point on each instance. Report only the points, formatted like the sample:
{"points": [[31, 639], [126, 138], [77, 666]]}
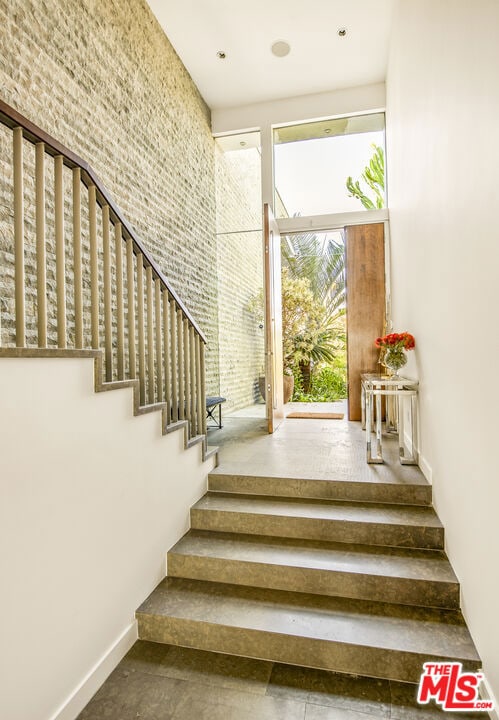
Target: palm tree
{"points": [[321, 261], [374, 178]]}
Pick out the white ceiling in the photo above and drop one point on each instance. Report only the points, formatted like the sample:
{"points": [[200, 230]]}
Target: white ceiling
{"points": [[319, 60]]}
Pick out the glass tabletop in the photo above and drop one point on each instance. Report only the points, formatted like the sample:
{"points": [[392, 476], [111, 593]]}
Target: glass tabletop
{"points": [[376, 379]]}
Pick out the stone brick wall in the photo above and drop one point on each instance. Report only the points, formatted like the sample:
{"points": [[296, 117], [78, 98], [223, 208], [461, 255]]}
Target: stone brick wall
{"points": [[102, 78], [239, 274]]}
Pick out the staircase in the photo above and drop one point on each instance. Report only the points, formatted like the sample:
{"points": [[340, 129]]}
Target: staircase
{"points": [[343, 576], [296, 572], [76, 281]]}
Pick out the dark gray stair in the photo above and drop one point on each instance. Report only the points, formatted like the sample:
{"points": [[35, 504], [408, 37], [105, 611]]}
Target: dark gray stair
{"points": [[336, 521], [395, 575], [344, 635], [348, 576], [409, 493]]}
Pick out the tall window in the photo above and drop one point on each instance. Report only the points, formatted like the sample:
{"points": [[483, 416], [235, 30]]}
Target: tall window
{"points": [[239, 267], [313, 161]]}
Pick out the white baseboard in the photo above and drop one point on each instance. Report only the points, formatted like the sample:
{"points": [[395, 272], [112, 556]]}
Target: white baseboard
{"points": [[485, 692], [422, 462], [425, 469], [87, 688]]}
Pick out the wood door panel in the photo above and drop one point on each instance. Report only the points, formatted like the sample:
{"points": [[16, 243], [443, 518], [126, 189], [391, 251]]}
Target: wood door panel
{"points": [[365, 277]]}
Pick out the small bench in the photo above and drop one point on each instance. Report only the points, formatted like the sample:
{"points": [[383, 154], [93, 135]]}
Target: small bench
{"points": [[212, 403]]}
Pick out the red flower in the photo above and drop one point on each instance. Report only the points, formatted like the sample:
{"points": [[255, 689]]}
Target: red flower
{"points": [[396, 340]]}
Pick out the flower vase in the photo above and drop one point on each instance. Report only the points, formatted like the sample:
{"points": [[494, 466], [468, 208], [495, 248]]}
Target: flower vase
{"points": [[395, 358]]}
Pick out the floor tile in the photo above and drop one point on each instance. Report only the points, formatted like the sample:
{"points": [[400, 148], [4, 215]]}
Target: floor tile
{"points": [[364, 695], [406, 707], [227, 671], [291, 682], [319, 712], [128, 696], [202, 702], [108, 700], [344, 692], [323, 449], [146, 657]]}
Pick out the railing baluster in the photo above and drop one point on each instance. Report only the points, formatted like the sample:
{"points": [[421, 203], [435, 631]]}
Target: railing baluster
{"points": [[77, 266], [187, 384], [141, 330], [181, 388], [201, 408], [120, 308], [170, 346], [130, 272], [150, 335], [41, 266], [166, 339], [192, 374], [159, 343], [60, 252], [203, 388], [94, 266], [19, 237], [108, 312], [173, 356]]}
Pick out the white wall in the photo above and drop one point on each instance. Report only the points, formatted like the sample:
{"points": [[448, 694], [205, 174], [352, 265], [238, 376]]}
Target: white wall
{"points": [[443, 160], [91, 499]]}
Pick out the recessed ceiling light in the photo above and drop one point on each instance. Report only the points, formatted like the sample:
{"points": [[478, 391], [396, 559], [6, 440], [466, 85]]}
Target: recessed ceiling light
{"points": [[342, 32], [280, 48], [221, 55]]}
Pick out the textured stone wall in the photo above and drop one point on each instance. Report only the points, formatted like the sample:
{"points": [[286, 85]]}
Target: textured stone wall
{"points": [[102, 78], [240, 275]]}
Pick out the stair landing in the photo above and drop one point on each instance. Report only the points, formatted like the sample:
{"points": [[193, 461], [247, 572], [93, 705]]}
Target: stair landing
{"points": [[306, 449]]}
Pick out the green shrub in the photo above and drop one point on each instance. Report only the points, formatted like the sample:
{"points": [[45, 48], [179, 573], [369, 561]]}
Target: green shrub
{"points": [[329, 383]]}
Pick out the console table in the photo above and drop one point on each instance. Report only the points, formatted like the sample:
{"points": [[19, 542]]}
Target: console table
{"points": [[397, 391]]}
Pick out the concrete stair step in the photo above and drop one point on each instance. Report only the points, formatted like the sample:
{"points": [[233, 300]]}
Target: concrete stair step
{"points": [[413, 493], [395, 575], [332, 521], [343, 635]]}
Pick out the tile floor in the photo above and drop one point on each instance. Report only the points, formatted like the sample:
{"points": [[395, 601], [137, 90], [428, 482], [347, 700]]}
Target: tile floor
{"points": [[312, 449], [162, 682]]}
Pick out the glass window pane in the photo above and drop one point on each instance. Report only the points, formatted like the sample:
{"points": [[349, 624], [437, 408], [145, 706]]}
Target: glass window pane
{"points": [[312, 162], [239, 272]]}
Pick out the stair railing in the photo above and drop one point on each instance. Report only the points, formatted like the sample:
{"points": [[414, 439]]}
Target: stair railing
{"points": [[89, 280]]}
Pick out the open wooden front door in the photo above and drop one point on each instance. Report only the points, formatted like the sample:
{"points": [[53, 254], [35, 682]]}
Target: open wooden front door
{"points": [[365, 273], [273, 321]]}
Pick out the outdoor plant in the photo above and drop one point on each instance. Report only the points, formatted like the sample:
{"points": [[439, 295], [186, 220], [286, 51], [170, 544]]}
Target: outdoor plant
{"points": [[374, 178], [328, 383], [314, 266], [303, 332], [311, 337]]}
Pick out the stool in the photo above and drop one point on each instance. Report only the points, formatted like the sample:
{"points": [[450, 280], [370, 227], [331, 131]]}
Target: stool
{"points": [[212, 403]]}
